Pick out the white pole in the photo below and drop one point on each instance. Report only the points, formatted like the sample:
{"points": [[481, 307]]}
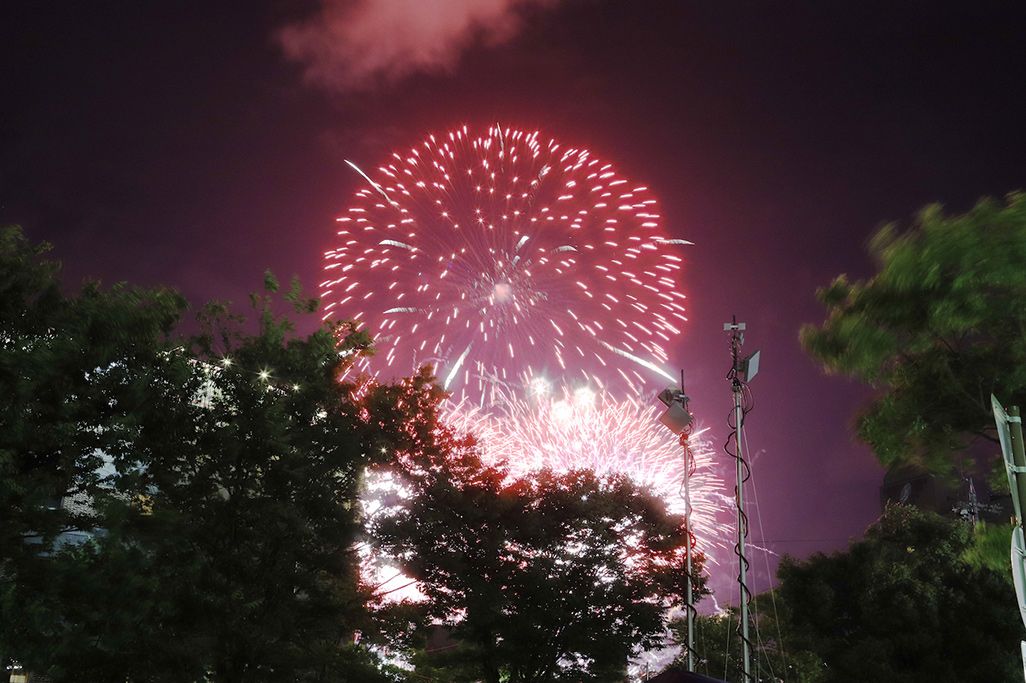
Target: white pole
{"points": [[1009, 427]]}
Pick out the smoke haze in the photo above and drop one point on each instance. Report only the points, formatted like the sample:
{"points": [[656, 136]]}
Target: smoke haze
{"points": [[362, 44]]}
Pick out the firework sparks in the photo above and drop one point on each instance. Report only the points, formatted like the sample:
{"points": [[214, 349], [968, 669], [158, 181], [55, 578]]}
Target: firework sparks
{"points": [[571, 431], [504, 257], [540, 284], [588, 430]]}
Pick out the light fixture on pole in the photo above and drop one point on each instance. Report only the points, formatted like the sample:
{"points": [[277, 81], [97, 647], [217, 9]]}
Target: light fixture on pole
{"points": [[676, 418]]}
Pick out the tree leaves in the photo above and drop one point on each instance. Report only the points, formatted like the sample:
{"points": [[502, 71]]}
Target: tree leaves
{"points": [[937, 329], [210, 482], [559, 577], [905, 604]]}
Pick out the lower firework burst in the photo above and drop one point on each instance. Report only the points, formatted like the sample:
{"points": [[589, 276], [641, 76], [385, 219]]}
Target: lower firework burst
{"points": [[583, 429]]}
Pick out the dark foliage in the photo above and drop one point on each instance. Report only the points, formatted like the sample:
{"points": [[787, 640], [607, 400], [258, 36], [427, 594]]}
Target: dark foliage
{"points": [[938, 329], [210, 484], [556, 578], [904, 605]]}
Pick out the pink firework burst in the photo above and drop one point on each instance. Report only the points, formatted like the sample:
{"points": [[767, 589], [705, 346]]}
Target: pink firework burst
{"points": [[583, 429], [503, 256]]}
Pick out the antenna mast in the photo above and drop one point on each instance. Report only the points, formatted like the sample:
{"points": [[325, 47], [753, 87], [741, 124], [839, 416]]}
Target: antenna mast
{"points": [[742, 370]]}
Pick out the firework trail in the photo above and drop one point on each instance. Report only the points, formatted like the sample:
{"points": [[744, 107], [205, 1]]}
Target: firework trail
{"points": [[503, 257]]}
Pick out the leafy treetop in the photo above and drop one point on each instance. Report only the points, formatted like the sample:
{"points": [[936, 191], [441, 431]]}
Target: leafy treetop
{"points": [[938, 329], [217, 478], [559, 577]]}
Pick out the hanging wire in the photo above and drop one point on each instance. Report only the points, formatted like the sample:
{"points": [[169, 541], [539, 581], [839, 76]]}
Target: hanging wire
{"points": [[765, 555], [756, 614], [703, 644], [726, 647]]}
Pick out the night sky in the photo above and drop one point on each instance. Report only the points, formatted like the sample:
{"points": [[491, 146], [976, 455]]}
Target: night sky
{"points": [[196, 144]]}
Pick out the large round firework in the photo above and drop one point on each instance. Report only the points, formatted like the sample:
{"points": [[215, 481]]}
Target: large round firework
{"points": [[506, 257]]}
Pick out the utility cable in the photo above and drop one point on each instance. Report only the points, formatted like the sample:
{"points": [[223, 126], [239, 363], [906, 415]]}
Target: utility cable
{"points": [[765, 555]]}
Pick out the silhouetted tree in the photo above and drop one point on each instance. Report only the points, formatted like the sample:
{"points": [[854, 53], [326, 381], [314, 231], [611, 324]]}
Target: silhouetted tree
{"points": [[218, 477], [559, 577], [904, 605]]}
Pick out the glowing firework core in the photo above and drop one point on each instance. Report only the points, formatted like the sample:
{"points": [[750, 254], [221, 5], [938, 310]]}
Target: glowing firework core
{"points": [[587, 430], [502, 292]]}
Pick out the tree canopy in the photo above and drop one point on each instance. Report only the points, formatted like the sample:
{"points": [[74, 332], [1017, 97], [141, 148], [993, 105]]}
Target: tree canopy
{"points": [[187, 507], [71, 369], [215, 478], [904, 605], [909, 603], [938, 329], [559, 577]]}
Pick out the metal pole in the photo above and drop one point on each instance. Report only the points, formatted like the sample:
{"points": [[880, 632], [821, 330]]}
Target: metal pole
{"points": [[687, 551], [679, 419], [1009, 427], [1019, 460]]}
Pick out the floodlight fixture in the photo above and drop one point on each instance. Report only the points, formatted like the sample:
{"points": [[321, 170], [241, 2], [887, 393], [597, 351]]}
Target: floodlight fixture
{"points": [[677, 418], [747, 368], [750, 367], [671, 394], [736, 328]]}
